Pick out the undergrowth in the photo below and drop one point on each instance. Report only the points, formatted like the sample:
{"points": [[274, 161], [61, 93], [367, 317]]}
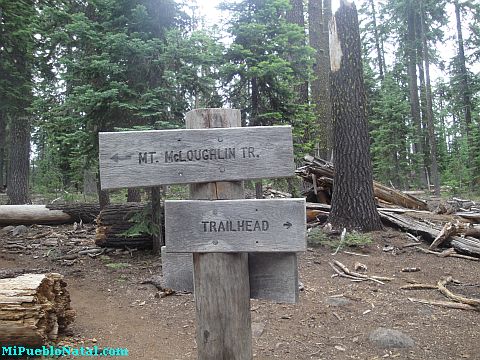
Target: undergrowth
{"points": [[317, 238]]}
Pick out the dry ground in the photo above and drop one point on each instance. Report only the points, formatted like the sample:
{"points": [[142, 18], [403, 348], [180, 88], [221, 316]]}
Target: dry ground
{"points": [[333, 319]]}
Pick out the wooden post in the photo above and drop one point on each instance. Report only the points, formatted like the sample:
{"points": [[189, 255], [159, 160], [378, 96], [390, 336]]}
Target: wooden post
{"points": [[157, 218], [221, 280]]}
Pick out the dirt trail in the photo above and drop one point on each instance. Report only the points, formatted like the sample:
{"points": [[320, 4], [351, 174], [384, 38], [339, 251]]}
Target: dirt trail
{"points": [[334, 319]]}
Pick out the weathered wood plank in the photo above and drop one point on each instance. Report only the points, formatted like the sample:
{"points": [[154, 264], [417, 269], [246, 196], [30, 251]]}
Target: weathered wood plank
{"points": [[159, 157], [274, 225], [272, 276], [177, 271]]}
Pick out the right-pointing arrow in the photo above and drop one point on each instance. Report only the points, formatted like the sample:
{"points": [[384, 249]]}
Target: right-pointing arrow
{"points": [[288, 225]]}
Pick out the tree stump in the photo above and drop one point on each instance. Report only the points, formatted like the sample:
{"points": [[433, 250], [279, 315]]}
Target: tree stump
{"points": [[34, 309]]}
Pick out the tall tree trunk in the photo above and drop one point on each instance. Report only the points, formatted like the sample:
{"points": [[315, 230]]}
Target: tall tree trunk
{"points": [[429, 114], [134, 195], [295, 16], [19, 167], [465, 87], [320, 86], [3, 138], [353, 202], [414, 99], [378, 47]]}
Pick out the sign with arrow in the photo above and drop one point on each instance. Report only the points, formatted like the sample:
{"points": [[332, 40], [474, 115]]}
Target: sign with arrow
{"points": [[273, 225], [161, 157]]}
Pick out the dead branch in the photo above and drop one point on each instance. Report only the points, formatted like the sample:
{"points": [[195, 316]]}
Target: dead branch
{"points": [[448, 304]]}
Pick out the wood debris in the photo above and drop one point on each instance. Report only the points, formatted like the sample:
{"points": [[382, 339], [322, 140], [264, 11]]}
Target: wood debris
{"points": [[459, 301], [341, 270], [35, 309], [400, 210]]}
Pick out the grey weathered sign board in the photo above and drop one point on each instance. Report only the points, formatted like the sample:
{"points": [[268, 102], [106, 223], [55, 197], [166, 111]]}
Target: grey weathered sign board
{"points": [[235, 225], [272, 276], [160, 157]]}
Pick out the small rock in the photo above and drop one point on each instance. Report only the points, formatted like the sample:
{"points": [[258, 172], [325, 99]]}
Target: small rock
{"points": [[7, 229], [337, 301], [257, 329], [301, 287], [389, 338], [358, 266], [340, 348], [18, 230]]}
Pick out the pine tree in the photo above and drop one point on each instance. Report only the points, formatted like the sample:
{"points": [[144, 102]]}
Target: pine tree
{"points": [[353, 202]]}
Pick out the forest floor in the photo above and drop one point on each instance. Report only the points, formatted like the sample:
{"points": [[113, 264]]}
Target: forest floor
{"points": [[334, 319]]}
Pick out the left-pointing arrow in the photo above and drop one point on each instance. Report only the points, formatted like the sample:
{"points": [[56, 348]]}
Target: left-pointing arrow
{"points": [[118, 158]]}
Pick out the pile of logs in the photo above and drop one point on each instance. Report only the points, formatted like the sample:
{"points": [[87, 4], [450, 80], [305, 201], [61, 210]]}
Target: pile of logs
{"points": [[114, 221], [34, 309], [458, 229], [320, 174]]}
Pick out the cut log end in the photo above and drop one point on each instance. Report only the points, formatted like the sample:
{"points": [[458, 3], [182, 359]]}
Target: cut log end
{"points": [[34, 309]]}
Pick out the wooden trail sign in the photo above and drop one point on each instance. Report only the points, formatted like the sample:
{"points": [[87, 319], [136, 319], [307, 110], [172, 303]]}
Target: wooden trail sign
{"points": [[235, 225], [160, 157]]}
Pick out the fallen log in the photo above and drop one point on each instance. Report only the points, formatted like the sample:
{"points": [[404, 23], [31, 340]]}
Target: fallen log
{"points": [[34, 309], [47, 214], [114, 221], [467, 245]]}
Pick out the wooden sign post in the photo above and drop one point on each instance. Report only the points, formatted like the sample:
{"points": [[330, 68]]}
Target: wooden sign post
{"points": [[221, 281], [241, 248]]}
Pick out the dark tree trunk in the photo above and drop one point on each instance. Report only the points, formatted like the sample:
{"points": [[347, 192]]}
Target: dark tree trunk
{"points": [[429, 114], [19, 168], [3, 138], [414, 99], [295, 16], [378, 47], [255, 102], [103, 196], [134, 195], [353, 202], [319, 17], [157, 196], [465, 87]]}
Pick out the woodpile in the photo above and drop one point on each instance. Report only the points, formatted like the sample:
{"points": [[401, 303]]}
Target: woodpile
{"points": [[453, 226], [114, 221], [320, 174], [34, 309]]}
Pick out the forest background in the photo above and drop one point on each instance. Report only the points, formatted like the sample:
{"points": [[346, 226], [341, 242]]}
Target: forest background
{"points": [[70, 69]]}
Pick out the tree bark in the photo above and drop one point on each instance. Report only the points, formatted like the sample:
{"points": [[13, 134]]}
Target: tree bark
{"points": [[157, 196], [378, 47], [113, 221], [19, 168], [414, 98], [429, 115], [47, 214], [134, 195], [295, 16], [319, 17], [3, 138], [353, 202], [465, 86]]}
